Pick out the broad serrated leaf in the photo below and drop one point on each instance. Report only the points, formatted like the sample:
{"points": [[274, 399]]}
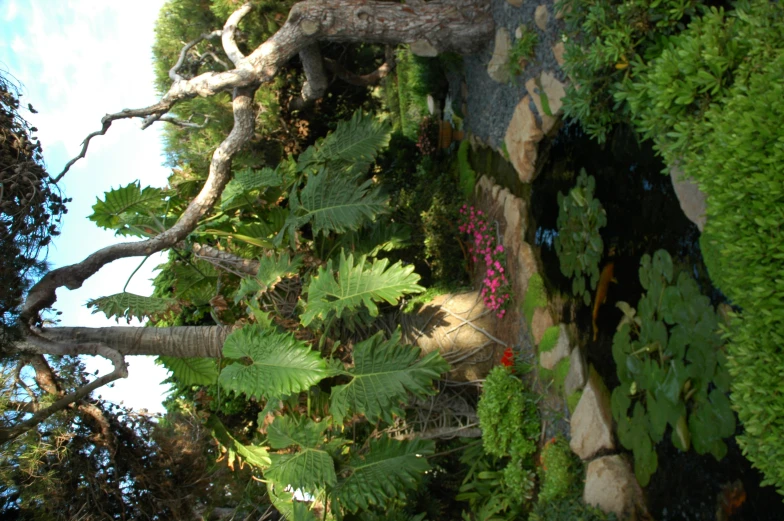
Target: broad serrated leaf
{"points": [[384, 373], [355, 285], [245, 181], [192, 371], [310, 468], [351, 148], [286, 431], [285, 503], [127, 199], [385, 473], [277, 363], [195, 281], [129, 305], [334, 203], [272, 269]]}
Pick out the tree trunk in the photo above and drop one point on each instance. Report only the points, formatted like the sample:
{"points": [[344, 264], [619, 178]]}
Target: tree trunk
{"points": [[181, 342]]}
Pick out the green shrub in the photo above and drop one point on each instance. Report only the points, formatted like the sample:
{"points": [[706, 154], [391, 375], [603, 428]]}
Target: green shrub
{"points": [[486, 490], [606, 42], [578, 243], [521, 51], [415, 80], [466, 174], [726, 91], [570, 508], [508, 416], [674, 376], [559, 470]]}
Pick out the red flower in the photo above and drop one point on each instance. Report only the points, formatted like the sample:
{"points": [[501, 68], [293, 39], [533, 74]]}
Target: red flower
{"points": [[508, 358]]}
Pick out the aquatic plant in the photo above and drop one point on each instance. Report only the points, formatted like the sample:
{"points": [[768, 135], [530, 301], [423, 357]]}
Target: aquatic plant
{"points": [[578, 244], [486, 248], [672, 369]]}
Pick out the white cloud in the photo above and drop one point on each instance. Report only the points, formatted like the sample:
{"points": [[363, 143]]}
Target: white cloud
{"points": [[10, 11]]}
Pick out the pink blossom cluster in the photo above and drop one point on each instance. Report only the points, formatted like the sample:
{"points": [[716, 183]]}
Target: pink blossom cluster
{"points": [[482, 247]]}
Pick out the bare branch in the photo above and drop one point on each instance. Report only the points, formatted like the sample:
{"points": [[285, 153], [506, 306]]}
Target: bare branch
{"points": [[210, 54], [229, 32], [120, 371], [42, 295], [210, 254], [184, 123], [173, 74], [315, 78]]}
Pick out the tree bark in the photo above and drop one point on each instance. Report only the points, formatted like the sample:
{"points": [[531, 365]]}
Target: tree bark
{"points": [[180, 342]]}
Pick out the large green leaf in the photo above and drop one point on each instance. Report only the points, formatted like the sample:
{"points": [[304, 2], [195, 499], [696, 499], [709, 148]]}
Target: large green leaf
{"points": [[270, 364], [252, 454], [129, 305], [355, 285], [195, 281], [351, 148], [385, 473], [284, 502], [333, 203], [309, 468], [272, 269], [384, 373], [128, 199], [192, 371], [245, 181]]}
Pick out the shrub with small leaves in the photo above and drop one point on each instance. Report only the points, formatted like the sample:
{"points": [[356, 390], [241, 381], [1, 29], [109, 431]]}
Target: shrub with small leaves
{"points": [[578, 244], [559, 470], [522, 50]]}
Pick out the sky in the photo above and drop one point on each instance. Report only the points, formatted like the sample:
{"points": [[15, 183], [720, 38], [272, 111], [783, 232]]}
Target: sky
{"points": [[76, 60]]}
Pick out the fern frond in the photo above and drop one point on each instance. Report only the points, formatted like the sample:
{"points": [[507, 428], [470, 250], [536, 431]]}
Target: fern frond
{"points": [[129, 305], [271, 364], [383, 474], [192, 371], [351, 148], [355, 285], [384, 373], [127, 199]]}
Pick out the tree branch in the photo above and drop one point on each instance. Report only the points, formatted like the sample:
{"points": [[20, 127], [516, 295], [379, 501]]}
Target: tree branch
{"points": [[173, 74], [229, 32], [210, 254], [120, 371], [184, 123], [42, 294], [315, 78]]}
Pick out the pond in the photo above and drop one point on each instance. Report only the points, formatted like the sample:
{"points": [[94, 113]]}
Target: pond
{"points": [[643, 215]]}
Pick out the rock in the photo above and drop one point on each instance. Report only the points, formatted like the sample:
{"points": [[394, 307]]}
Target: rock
{"points": [[558, 52], [442, 325], [554, 90], [559, 14], [610, 485], [539, 324], [522, 138], [548, 359], [516, 3], [575, 378], [515, 217], [497, 68], [494, 191], [464, 90], [548, 122], [527, 261], [691, 198], [541, 16], [591, 423], [423, 48]]}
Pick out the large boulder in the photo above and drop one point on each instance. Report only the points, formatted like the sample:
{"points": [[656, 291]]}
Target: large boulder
{"points": [[591, 423], [576, 377], [547, 85], [522, 138], [497, 68], [549, 359], [457, 325], [611, 486], [691, 198]]}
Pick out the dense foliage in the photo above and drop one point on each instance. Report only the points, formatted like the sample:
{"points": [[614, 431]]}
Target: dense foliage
{"points": [[672, 376], [30, 206]]}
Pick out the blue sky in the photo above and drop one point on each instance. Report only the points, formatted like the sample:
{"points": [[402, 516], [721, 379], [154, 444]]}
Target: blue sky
{"points": [[77, 60]]}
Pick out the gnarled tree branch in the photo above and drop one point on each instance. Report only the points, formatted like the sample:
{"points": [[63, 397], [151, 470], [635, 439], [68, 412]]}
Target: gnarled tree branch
{"points": [[229, 32], [173, 72], [364, 80], [315, 78]]}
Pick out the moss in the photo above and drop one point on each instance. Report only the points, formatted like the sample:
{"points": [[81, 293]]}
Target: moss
{"points": [[572, 400], [549, 339], [559, 374], [466, 174], [535, 297]]}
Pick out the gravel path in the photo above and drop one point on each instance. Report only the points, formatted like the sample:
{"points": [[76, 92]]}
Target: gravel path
{"points": [[491, 104]]}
